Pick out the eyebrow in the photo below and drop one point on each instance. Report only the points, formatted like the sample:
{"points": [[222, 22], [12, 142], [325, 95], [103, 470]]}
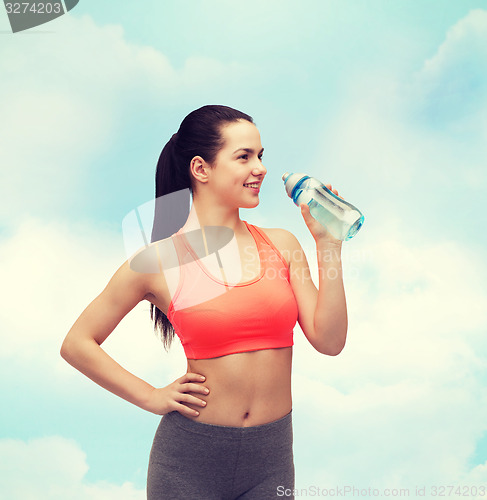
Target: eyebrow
{"points": [[247, 150]]}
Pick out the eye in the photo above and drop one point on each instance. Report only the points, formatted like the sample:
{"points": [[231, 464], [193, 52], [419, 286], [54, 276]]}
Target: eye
{"points": [[246, 157]]}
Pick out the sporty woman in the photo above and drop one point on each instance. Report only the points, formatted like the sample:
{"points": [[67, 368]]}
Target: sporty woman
{"points": [[226, 430]]}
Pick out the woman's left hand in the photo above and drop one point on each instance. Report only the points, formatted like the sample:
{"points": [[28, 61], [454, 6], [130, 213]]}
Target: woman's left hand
{"points": [[319, 232]]}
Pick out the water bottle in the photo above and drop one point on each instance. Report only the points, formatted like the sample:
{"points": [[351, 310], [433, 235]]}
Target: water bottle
{"points": [[340, 218]]}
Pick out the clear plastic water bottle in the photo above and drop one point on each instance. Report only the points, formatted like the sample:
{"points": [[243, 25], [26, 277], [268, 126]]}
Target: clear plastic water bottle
{"points": [[342, 219]]}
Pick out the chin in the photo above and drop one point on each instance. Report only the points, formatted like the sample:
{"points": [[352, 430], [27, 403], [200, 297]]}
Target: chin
{"points": [[250, 205]]}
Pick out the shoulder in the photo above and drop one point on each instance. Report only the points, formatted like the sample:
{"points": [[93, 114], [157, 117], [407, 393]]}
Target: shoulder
{"points": [[131, 279], [279, 235], [283, 240]]}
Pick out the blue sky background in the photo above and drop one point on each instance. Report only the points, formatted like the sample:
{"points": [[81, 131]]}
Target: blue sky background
{"points": [[385, 100]]}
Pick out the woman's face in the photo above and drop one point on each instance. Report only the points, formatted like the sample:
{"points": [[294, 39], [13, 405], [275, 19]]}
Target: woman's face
{"points": [[238, 163]]}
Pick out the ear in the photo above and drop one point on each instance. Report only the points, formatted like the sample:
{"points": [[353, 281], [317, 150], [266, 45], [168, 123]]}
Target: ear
{"points": [[199, 169]]}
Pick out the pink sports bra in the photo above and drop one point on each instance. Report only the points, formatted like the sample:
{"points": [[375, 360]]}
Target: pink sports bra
{"points": [[212, 319]]}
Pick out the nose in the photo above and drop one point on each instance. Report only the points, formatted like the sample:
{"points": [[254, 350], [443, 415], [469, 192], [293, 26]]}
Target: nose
{"points": [[259, 169]]}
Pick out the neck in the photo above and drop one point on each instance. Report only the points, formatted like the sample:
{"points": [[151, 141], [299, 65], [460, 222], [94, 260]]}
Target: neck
{"points": [[206, 214]]}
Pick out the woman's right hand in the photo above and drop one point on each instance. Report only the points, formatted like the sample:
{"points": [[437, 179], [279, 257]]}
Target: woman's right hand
{"points": [[172, 397]]}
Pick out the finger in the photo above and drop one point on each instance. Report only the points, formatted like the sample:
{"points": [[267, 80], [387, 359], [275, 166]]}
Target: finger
{"points": [[190, 387], [191, 377], [186, 411], [305, 212], [188, 398]]}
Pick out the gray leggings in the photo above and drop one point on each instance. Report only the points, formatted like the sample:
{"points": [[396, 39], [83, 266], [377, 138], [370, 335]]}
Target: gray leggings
{"points": [[192, 460]]}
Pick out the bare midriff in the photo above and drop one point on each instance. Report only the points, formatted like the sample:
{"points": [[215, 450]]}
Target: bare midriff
{"points": [[246, 389]]}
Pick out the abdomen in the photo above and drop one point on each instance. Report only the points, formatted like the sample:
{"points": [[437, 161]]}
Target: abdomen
{"points": [[246, 389]]}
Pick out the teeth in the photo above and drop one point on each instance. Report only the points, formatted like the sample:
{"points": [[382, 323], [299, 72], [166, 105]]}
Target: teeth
{"points": [[251, 185]]}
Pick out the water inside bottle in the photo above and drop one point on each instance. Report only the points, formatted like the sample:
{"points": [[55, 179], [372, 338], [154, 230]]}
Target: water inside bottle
{"points": [[338, 216], [322, 193], [327, 219]]}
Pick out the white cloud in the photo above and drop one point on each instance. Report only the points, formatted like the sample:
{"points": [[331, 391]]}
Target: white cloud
{"points": [[416, 312], [476, 476], [405, 402], [397, 132], [53, 468], [65, 96], [458, 69], [400, 434], [54, 270]]}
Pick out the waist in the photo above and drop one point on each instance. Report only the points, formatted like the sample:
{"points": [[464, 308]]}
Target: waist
{"points": [[246, 389], [270, 430]]}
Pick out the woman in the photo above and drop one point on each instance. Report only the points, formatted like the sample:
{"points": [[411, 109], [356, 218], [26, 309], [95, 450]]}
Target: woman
{"points": [[226, 430]]}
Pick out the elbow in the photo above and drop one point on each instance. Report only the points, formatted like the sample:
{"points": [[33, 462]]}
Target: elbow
{"points": [[68, 350], [65, 350], [75, 348], [331, 350], [332, 347]]}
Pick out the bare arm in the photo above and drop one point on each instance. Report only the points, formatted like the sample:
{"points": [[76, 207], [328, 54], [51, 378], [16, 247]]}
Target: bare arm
{"points": [[322, 313], [82, 348]]}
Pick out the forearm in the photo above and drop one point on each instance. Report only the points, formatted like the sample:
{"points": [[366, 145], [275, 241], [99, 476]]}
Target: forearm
{"points": [[90, 359], [330, 318]]}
